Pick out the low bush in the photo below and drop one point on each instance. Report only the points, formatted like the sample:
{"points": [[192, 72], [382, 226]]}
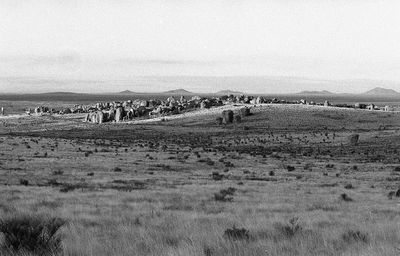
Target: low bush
{"points": [[291, 228], [31, 234], [58, 172], [221, 197], [349, 186], [117, 169], [236, 233], [290, 168], [217, 176], [225, 195], [24, 182], [355, 236], [346, 198]]}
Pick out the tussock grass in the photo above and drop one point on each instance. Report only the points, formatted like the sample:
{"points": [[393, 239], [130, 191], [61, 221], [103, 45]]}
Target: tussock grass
{"points": [[31, 234]]}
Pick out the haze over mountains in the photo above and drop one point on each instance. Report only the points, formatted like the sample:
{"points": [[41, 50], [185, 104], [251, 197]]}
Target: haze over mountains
{"points": [[378, 91], [199, 85]]}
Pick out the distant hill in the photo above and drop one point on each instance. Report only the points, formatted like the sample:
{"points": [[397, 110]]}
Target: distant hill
{"points": [[59, 93], [127, 92], [178, 91], [324, 92], [381, 91], [228, 92]]}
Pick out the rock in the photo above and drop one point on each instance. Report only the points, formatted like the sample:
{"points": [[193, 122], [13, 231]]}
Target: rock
{"points": [[100, 117], [87, 117], [227, 116], [119, 113], [244, 112], [353, 139]]}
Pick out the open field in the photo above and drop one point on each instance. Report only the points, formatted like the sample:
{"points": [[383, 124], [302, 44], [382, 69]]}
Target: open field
{"points": [[184, 185]]}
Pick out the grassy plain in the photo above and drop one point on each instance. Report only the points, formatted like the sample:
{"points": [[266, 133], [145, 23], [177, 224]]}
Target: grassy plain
{"points": [[155, 188]]}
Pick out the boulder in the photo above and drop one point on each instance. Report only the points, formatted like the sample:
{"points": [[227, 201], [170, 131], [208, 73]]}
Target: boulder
{"points": [[119, 114], [93, 117], [353, 139], [227, 116], [100, 117], [143, 103], [389, 108], [141, 111], [87, 117], [244, 112]]}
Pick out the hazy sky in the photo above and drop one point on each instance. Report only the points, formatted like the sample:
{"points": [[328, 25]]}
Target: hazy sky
{"points": [[121, 39]]}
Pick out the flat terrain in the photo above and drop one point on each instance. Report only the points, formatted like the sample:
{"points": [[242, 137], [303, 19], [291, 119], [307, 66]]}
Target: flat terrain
{"points": [[288, 173]]}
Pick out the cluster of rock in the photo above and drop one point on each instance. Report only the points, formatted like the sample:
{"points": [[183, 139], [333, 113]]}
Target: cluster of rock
{"points": [[128, 110]]}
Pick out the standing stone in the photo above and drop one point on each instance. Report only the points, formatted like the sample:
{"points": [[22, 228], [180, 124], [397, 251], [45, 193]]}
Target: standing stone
{"points": [[119, 114], [244, 112], [100, 117], [227, 116], [353, 139]]}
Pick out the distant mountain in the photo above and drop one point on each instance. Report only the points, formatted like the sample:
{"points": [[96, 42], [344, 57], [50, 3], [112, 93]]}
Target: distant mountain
{"points": [[127, 92], [381, 91], [228, 92], [324, 92], [59, 93], [178, 91]]}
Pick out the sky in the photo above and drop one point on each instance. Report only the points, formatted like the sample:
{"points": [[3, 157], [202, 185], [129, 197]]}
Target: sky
{"points": [[118, 42]]}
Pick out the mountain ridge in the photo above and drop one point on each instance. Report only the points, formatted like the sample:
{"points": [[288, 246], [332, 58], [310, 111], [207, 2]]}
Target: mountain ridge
{"points": [[381, 91], [227, 92]]}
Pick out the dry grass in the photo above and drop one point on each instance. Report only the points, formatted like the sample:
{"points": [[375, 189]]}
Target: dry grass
{"points": [[148, 193]]}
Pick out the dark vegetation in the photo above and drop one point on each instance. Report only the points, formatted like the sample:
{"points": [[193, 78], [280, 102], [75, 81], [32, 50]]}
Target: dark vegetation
{"points": [[38, 235]]}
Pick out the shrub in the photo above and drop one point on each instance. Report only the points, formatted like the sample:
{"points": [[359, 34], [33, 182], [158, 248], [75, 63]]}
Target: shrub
{"points": [[32, 234], [355, 236], [349, 186], [67, 188], [24, 182], [391, 194], [236, 233], [229, 164], [291, 228], [58, 172], [396, 169], [53, 182], [271, 173], [229, 191], [117, 169], [221, 197], [290, 168], [217, 176], [346, 198]]}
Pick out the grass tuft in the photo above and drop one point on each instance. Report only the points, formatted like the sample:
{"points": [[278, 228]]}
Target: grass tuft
{"points": [[31, 234]]}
